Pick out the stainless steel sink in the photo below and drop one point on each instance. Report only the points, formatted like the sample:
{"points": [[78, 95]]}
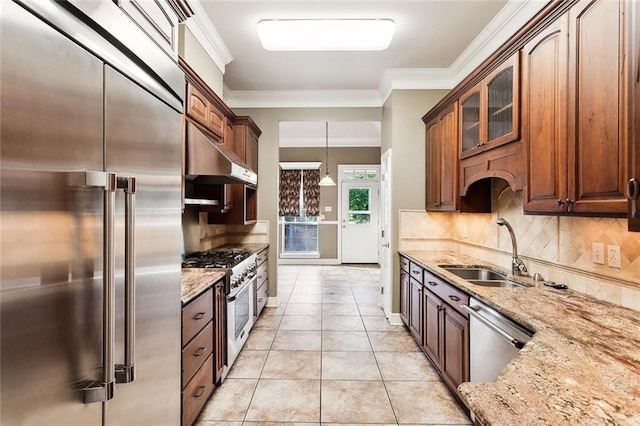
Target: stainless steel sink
{"points": [[481, 276]]}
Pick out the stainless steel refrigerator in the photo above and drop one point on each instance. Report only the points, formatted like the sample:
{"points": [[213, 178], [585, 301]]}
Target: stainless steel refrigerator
{"points": [[90, 226]]}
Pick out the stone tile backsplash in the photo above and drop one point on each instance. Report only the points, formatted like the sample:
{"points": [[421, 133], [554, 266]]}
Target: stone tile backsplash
{"points": [[559, 247]]}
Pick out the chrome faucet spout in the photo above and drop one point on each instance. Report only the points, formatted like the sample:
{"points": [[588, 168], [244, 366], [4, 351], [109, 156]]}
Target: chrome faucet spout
{"points": [[517, 265]]}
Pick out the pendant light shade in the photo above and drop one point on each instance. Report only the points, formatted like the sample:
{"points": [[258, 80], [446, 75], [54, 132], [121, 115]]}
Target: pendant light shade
{"points": [[326, 180]]}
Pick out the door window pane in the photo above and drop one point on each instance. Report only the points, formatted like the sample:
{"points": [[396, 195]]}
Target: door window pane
{"points": [[359, 206]]}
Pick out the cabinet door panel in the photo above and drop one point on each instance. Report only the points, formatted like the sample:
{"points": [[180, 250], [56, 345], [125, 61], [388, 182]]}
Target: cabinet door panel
{"points": [[449, 159], [433, 166], [415, 311], [598, 139], [404, 297], [545, 102], [470, 122], [455, 344], [432, 307]]}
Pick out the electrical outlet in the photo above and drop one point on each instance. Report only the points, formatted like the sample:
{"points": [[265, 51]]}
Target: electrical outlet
{"points": [[613, 256], [597, 253]]}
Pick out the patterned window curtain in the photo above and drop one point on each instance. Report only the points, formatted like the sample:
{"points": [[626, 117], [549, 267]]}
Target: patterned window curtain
{"points": [[311, 192], [289, 193]]}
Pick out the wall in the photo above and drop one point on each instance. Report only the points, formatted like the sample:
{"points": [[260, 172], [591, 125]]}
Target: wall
{"points": [[190, 49], [268, 120], [328, 235], [403, 132], [558, 247]]}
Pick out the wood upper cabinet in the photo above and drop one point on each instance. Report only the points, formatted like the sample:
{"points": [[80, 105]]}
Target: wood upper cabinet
{"points": [[544, 112], [634, 105], [489, 112], [442, 161], [576, 125], [598, 110], [246, 134], [205, 112]]}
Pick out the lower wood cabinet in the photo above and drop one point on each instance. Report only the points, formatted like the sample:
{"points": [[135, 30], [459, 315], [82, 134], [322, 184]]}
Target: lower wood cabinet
{"points": [[204, 347], [432, 311]]}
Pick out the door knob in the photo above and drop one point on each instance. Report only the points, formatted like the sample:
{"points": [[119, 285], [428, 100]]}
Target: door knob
{"points": [[386, 245]]}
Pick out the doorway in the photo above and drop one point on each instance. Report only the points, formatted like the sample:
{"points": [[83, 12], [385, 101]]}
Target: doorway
{"points": [[359, 213]]}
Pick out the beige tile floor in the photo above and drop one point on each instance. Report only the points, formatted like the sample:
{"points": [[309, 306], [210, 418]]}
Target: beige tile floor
{"points": [[328, 355]]}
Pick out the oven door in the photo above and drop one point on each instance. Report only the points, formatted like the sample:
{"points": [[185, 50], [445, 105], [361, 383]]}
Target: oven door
{"points": [[239, 321]]}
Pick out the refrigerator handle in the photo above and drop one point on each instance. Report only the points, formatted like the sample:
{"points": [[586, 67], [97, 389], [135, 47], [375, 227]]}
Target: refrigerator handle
{"points": [[125, 373], [100, 391]]}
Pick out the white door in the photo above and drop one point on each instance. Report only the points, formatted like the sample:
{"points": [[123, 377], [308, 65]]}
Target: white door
{"points": [[359, 221], [386, 261]]}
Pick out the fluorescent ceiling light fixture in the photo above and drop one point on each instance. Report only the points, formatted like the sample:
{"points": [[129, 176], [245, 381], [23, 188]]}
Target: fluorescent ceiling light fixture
{"points": [[325, 34]]}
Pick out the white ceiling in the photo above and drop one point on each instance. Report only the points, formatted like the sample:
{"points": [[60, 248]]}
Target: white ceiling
{"points": [[436, 43]]}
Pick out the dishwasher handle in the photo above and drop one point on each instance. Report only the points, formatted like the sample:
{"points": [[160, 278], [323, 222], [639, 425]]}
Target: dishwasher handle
{"points": [[518, 344]]}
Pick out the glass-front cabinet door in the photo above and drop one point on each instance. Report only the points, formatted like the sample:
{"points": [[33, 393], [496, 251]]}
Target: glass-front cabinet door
{"points": [[489, 112], [470, 119]]}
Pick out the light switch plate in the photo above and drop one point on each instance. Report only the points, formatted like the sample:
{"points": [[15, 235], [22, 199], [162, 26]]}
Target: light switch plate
{"points": [[597, 253], [327, 208], [613, 256]]}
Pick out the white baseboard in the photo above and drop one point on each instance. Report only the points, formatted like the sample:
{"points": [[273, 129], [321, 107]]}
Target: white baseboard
{"points": [[394, 319], [282, 261], [272, 302]]}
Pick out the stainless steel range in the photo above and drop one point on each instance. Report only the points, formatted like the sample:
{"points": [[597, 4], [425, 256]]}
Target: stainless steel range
{"points": [[239, 289]]}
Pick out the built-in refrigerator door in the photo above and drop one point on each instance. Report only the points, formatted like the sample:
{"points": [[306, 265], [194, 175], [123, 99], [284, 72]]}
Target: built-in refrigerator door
{"points": [[143, 141], [51, 224]]}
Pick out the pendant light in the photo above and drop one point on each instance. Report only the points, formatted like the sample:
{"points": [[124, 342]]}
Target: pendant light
{"points": [[326, 180]]}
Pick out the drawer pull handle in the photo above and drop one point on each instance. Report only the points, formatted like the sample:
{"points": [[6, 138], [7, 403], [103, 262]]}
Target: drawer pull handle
{"points": [[201, 351], [454, 298], [415, 272], [260, 300], [431, 283], [199, 316], [200, 391]]}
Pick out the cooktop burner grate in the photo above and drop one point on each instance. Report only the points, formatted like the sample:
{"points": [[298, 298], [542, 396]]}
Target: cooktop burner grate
{"points": [[216, 258]]}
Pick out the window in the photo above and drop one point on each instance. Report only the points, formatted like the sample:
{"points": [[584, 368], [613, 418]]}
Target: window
{"points": [[359, 174], [359, 206], [299, 211]]}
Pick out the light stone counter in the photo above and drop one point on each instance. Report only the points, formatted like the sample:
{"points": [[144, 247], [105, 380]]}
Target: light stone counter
{"points": [[195, 281], [581, 367]]}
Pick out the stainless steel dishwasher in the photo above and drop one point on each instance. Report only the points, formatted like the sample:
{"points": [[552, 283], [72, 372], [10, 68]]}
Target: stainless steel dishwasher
{"points": [[493, 340]]}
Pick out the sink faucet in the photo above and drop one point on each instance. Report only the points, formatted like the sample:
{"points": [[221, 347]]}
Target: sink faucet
{"points": [[517, 266]]}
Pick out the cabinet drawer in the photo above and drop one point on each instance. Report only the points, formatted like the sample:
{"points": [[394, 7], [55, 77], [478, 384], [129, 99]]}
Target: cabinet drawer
{"points": [[262, 274], [262, 295], [415, 271], [446, 292], [196, 315], [262, 256], [197, 392], [404, 264], [196, 352]]}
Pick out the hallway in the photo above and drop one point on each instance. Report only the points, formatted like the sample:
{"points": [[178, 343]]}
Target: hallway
{"points": [[327, 354]]}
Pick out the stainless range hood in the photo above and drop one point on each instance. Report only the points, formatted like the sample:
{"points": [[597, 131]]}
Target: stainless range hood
{"points": [[211, 162]]}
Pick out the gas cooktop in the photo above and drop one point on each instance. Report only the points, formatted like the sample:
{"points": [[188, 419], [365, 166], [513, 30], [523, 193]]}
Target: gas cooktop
{"points": [[215, 258]]}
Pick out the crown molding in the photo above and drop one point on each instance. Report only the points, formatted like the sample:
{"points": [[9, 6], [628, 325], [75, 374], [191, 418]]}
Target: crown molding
{"points": [[302, 98], [204, 31], [513, 16]]}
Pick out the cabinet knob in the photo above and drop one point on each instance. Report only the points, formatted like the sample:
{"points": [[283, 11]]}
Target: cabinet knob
{"points": [[431, 283], [201, 351], [199, 316], [560, 203], [454, 298], [200, 391]]}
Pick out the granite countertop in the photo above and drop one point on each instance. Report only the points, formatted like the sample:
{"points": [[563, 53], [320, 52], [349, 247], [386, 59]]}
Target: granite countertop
{"points": [[195, 281], [582, 366]]}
